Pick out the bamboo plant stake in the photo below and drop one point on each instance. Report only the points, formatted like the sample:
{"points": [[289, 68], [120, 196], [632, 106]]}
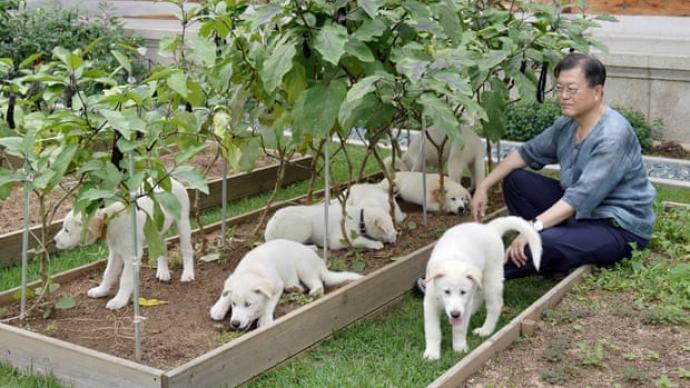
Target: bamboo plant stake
{"points": [[224, 206]]}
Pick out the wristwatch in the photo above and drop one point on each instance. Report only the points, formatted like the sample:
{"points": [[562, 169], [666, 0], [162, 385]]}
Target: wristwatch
{"points": [[537, 225]]}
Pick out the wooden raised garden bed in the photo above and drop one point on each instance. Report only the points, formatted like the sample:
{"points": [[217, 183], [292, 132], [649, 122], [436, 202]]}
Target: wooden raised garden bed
{"points": [[239, 186], [390, 274]]}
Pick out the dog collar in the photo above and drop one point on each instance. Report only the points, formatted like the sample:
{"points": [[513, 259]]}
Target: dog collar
{"points": [[362, 225]]}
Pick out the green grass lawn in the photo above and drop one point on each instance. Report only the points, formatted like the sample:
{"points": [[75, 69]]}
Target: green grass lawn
{"points": [[387, 351]]}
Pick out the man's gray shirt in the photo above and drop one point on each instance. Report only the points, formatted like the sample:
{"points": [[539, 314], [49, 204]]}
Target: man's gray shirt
{"points": [[603, 176]]}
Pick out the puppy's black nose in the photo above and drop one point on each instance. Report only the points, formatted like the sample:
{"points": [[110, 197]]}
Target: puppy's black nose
{"points": [[235, 324], [455, 314]]}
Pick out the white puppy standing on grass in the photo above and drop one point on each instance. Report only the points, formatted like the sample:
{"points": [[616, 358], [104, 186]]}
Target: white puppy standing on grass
{"points": [[409, 186], [466, 268], [115, 225], [372, 226], [253, 290]]}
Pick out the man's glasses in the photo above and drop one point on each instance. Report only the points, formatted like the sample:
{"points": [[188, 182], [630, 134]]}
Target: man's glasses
{"points": [[569, 91]]}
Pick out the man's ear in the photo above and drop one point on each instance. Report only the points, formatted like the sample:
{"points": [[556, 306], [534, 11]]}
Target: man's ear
{"points": [[264, 287]]}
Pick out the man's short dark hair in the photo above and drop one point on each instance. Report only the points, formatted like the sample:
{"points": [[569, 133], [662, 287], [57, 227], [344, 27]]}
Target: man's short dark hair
{"points": [[594, 70]]}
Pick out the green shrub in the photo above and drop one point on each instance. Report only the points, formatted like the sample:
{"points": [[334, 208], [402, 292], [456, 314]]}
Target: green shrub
{"points": [[526, 120], [24, 32]]}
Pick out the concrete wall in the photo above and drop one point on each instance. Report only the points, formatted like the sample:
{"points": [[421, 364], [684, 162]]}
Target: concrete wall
{"points": [[648, 66]]}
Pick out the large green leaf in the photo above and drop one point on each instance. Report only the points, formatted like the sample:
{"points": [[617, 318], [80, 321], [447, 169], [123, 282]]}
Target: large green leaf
{"points": [[118, 122], [153, 238], [359, 50], [169, 202], [13, 146], [370, 30], [317, 108], [202, 49], [193, 178], [362, 88], [494, 103], [178, 82], [65, 302], [8, 179], [330, 42], [123, 60], [366, 112], [412, 68], [440, 114], [263, 14], [295, 82], [370, 7], [278, 64]]}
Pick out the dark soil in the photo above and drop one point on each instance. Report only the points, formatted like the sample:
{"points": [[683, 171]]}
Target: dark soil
{"points": [[670, 149], [181, 329], [11, 218], [561, 353]]}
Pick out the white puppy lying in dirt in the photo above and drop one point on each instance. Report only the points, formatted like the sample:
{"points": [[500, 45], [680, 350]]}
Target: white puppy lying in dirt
{"points": [[465, 268], [305, 224], [408, 185], [255, 287], [115, 225], [460, 155], [373, 195]]}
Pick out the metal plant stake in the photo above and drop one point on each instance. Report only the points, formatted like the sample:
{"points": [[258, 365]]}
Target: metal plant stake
{"points": [[327, 196], [424, 170], [25, 238], [224, 206], [135, 264]]}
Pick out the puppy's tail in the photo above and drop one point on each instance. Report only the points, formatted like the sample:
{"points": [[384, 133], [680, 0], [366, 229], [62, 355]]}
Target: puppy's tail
{"points": [[331, 278], [504, 224]]}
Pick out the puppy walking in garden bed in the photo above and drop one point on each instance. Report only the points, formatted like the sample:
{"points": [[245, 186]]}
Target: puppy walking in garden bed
{"points": [[254, 288], [466, 268], [114, 224]]}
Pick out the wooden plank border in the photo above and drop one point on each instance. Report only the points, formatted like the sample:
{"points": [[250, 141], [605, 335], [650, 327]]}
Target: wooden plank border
{"points": [[72, 364], [269, 346], [239, 186], [460, 372]]}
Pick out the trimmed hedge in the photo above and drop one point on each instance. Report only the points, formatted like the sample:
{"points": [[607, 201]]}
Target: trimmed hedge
{"points": [[526, 120]]}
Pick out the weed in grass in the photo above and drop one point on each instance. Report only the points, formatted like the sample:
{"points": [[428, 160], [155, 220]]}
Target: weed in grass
{"points": [[635, 375], [683, 373], [26, 379], [560, 315], [556, 349], [665, 314], [337, 263], [651, 355], [298, 298], [663, 382], [593, 355], [560, 374], [630, 356], [623, 311]]}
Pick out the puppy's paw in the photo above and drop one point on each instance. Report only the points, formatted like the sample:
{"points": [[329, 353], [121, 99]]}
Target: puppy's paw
{"points": [[187, 276], [97, 292], [115, 304], [264, 321], [297, 288], [432, 355], [218, 313], [163, 275], [482, 332], [461, 347], [376, 245]]}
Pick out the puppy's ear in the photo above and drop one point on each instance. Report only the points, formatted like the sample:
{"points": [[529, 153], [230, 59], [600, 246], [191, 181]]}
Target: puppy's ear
{"points": [[264, 287], [96, 227], [433, 271], [475, 275]]}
